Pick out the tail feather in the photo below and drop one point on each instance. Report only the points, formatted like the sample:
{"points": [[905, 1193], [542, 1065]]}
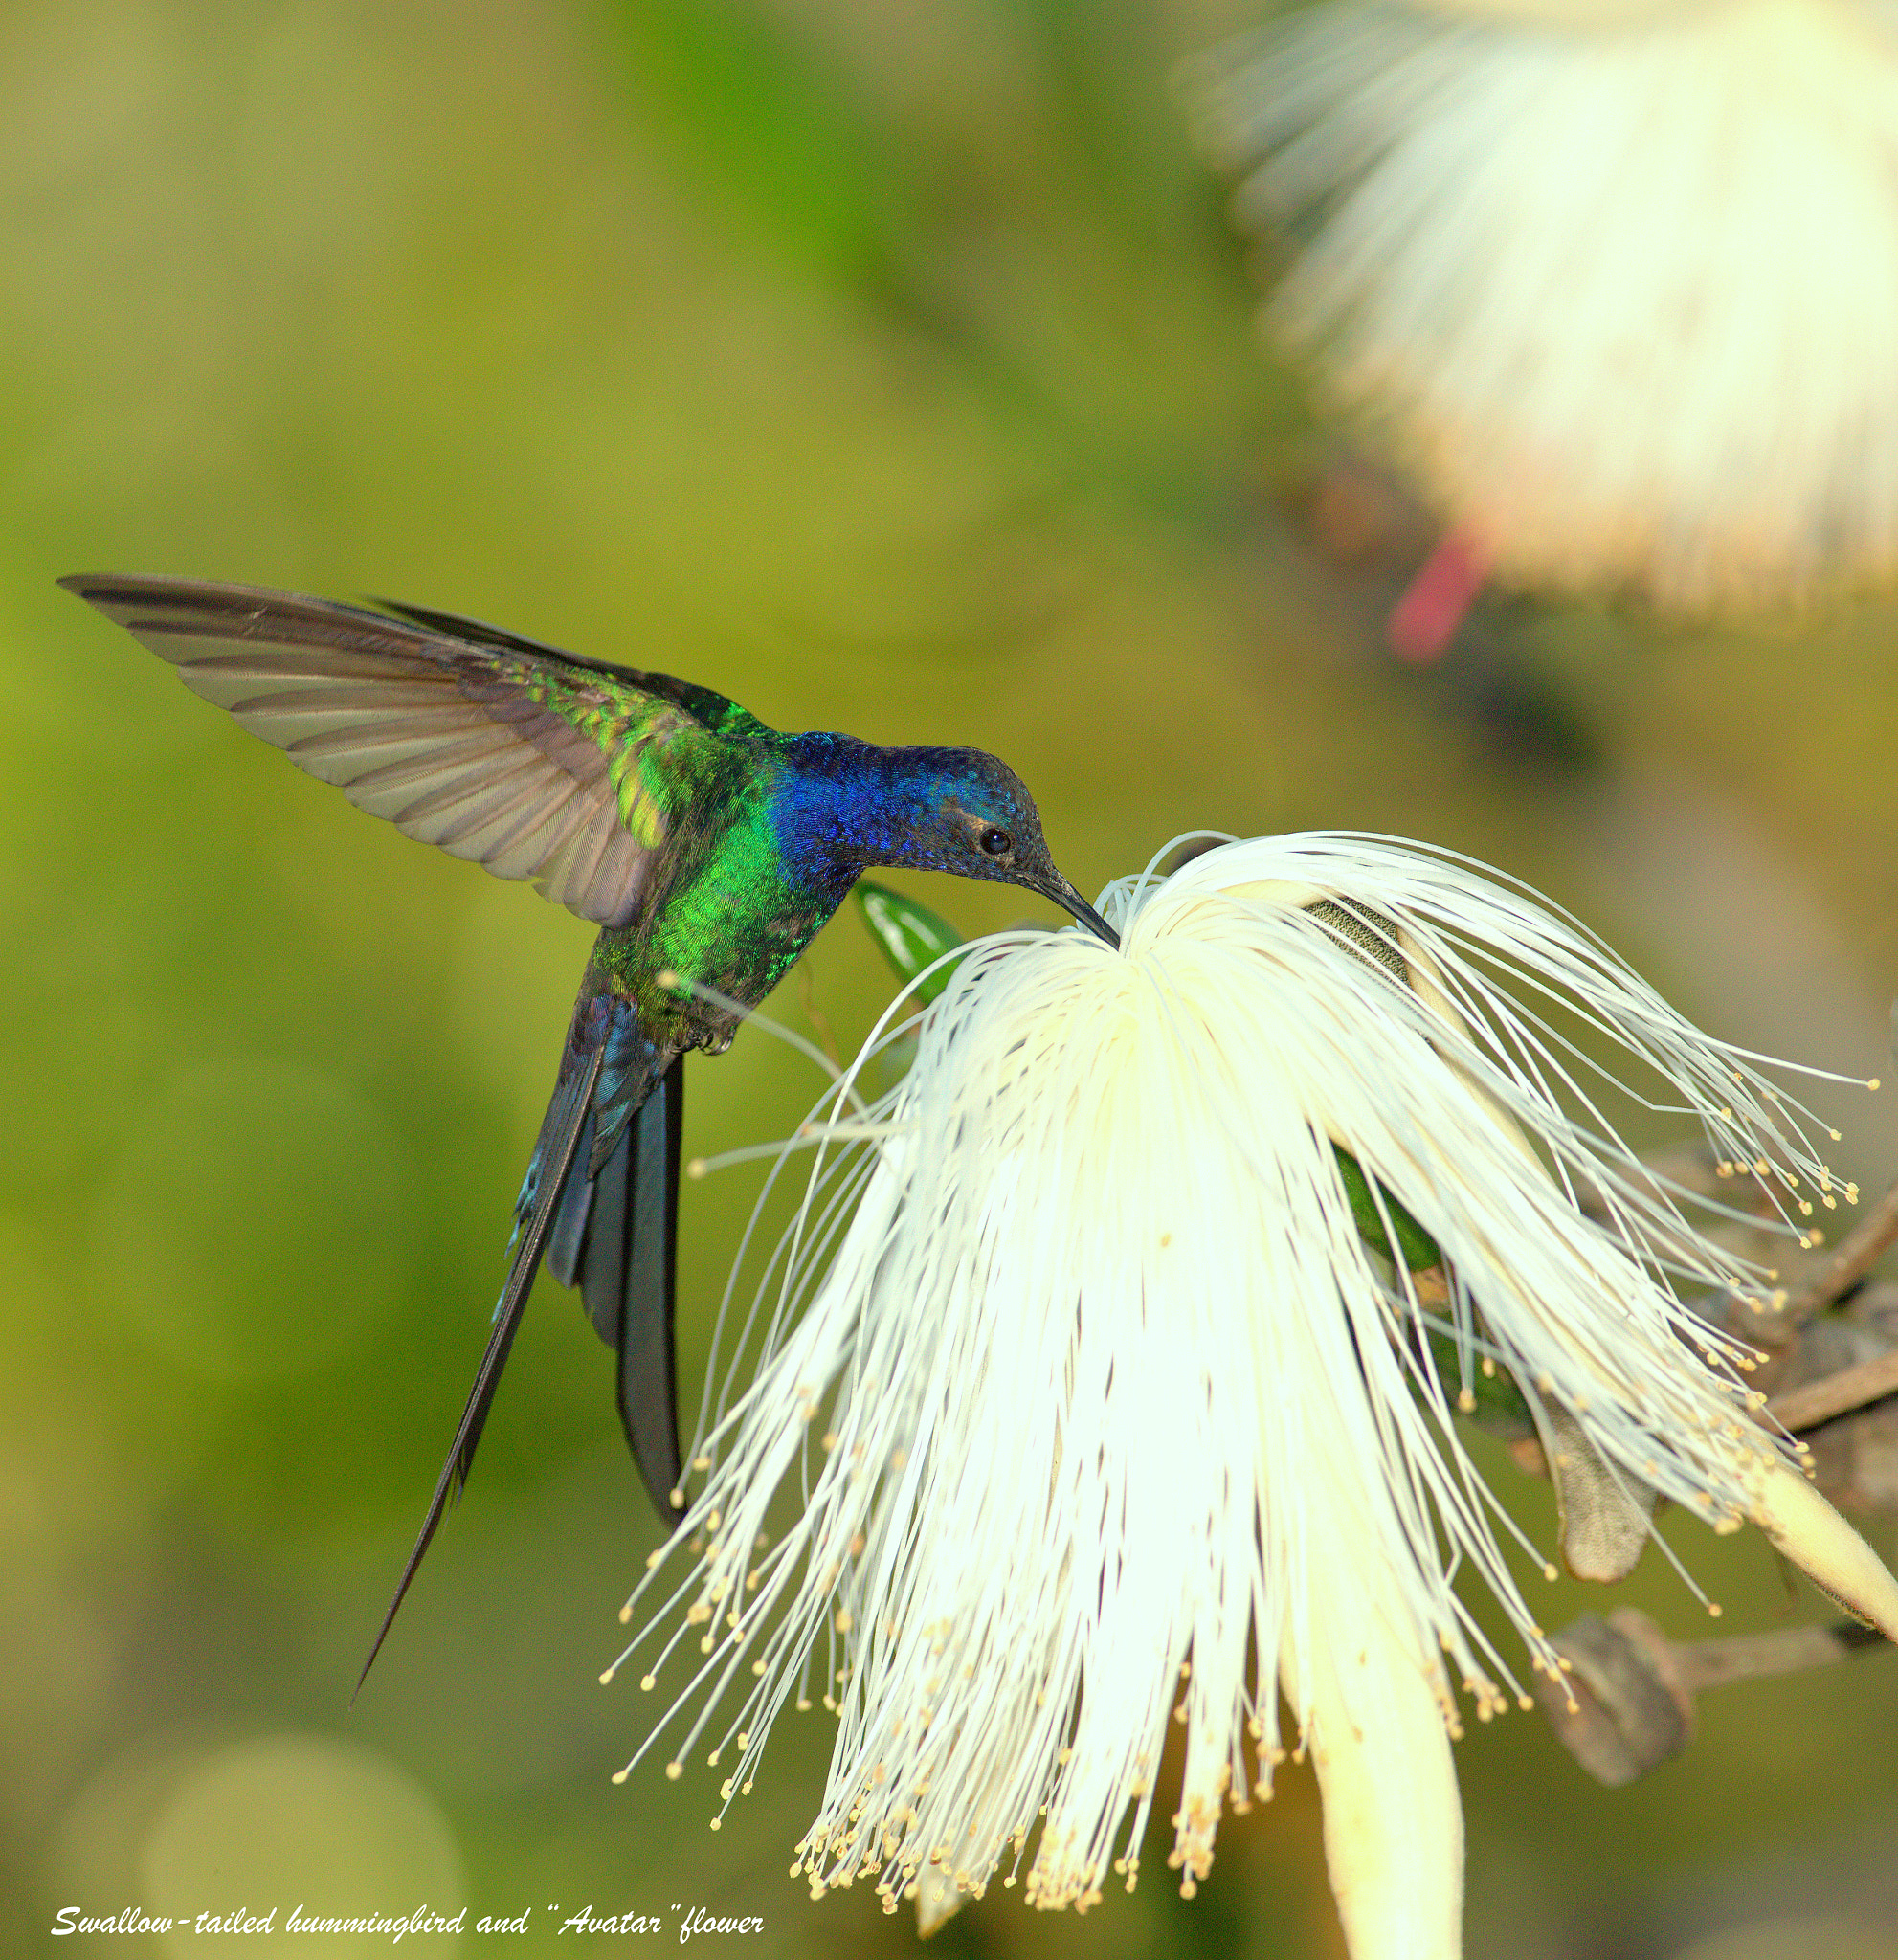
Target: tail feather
{"points": [[600, 1269], [568, 1239], [642, 1270], [615, 1236], [553, 1158], [600, 1205]]}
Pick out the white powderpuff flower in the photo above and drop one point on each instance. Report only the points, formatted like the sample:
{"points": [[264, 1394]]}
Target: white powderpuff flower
{"points": [[1104, 1428], [1616, 280]]}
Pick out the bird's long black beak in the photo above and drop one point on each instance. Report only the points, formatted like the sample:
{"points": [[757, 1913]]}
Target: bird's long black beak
{"points": [[1069, 900]]}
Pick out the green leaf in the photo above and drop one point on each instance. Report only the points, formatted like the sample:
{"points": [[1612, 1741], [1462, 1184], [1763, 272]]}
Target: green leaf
{"points": [[1500, 1406], [910, 935], [1417, 1248]]}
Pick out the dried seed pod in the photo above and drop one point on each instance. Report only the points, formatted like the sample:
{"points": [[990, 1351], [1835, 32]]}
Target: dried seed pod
{"points": [[1625, 1702], [1619, 1707]]}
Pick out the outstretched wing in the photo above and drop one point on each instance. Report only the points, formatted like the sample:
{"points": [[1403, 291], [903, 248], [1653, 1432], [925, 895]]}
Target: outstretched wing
{"points": [[526, 760]]}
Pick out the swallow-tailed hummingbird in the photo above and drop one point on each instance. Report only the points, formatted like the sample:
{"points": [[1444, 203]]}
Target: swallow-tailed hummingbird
{"points": [[708, 849]]}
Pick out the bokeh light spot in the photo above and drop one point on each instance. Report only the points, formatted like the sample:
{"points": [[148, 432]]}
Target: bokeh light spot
{"points": [[289, 1821]]}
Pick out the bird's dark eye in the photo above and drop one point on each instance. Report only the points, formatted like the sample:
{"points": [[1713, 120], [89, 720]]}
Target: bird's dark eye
{"points": [[997, 841]]}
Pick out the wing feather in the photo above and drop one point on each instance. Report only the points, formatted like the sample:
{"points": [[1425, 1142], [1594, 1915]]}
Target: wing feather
{"points": [[535, 764], [528, 849], [448, 811], [604, 863], [519, 826], [344, 754], [417, 783], [572, 870]]}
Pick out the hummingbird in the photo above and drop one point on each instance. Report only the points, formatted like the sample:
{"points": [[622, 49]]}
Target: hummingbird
{"points": [[707, 848]]}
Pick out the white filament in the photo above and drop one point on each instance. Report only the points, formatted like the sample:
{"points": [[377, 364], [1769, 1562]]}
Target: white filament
{"points": [[1620, 284], [1100, 1388]]}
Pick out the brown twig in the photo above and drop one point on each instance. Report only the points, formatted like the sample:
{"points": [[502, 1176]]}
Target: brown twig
{"points": [[1812, 1403], [1792, 1650], [1624, 1700], [1870, 1237]]}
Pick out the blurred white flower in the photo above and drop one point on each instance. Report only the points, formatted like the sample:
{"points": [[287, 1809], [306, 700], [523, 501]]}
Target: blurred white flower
{"points": [[1616, 280], [1106, 1427]]}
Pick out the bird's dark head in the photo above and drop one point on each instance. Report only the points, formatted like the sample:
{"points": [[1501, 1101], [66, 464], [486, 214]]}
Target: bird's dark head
{"points": [[954, 809]]}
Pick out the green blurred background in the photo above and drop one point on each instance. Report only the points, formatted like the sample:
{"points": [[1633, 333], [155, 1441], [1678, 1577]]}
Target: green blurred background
{"points": [[890, 369]]}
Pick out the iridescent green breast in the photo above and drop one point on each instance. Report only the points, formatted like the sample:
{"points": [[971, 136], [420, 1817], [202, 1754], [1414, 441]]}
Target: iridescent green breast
{"points": [[733, 908]]}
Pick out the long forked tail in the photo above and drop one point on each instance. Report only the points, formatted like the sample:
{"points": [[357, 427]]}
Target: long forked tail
{"points": [[617, 1238], [568, 1115]]}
